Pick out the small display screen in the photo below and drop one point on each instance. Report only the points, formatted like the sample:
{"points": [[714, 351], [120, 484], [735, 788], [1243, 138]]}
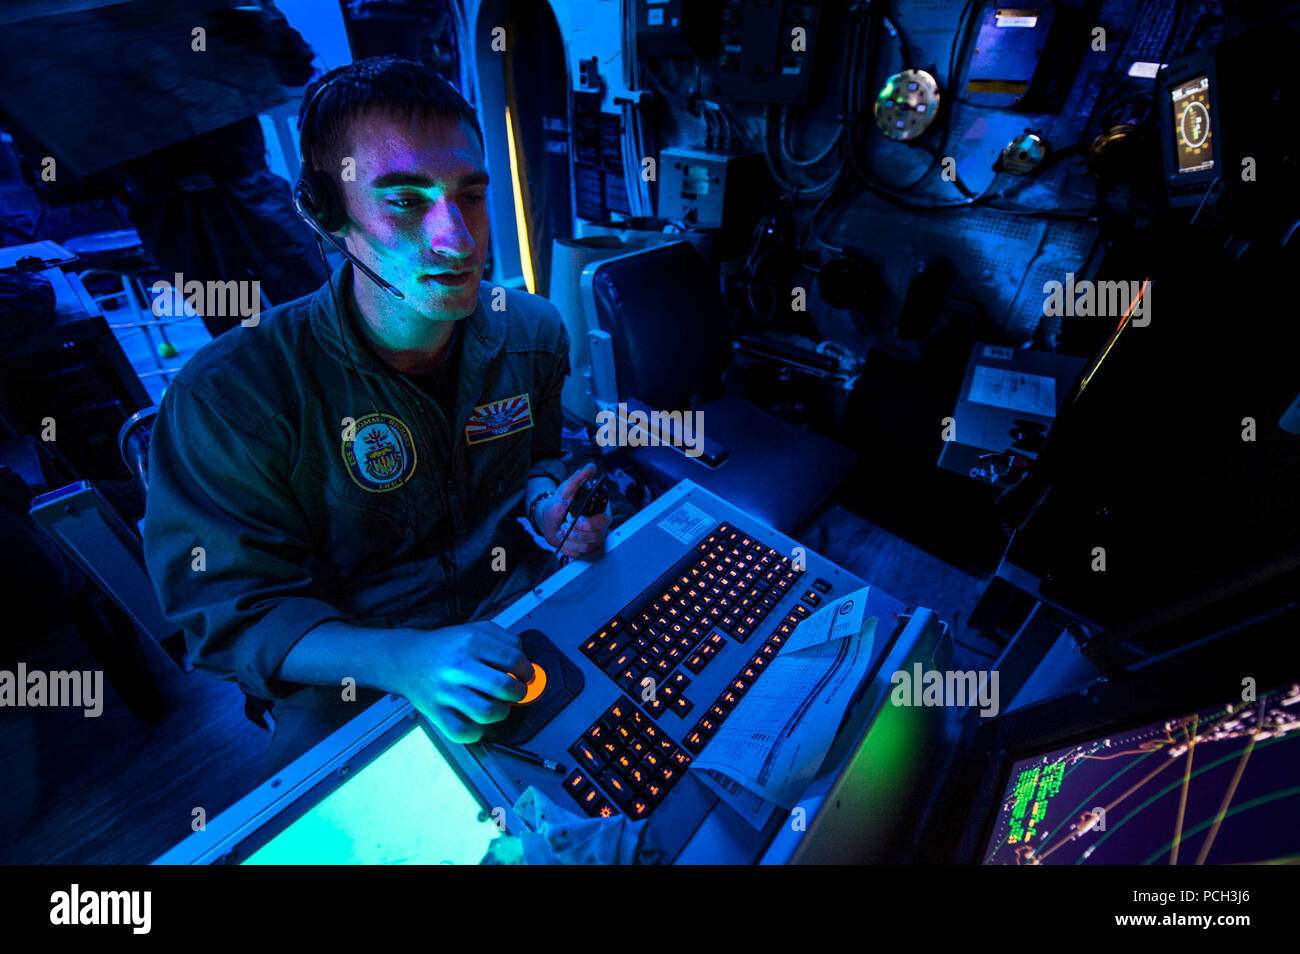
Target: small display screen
{"points": [[1193, 132], [405, 807], [1219, 786]]}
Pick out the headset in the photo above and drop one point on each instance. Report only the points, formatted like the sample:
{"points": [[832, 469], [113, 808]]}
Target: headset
{"points": [[316, 197], [317, 201]]}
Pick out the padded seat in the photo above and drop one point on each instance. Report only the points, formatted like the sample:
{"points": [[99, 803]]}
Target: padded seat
{"points": [[658, 333]]}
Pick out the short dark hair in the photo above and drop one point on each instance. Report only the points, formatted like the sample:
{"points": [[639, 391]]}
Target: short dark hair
{"points": [[380, 83]]}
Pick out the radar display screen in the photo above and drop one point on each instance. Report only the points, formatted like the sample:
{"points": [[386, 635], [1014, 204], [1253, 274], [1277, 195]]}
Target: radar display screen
{"points": [[1192, 127], [1219, 786]]}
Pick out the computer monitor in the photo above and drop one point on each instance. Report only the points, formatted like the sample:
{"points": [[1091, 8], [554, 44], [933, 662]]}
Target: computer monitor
{"points": [[1215, 786], [1192, 758], [1193, 130], [1189, 126]]}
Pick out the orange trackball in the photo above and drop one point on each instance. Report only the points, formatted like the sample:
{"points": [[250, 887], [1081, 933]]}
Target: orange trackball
{"points": [[535, 686]]}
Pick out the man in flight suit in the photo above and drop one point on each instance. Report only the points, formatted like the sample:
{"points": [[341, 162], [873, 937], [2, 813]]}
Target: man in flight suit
{"points": [[335, 491]]}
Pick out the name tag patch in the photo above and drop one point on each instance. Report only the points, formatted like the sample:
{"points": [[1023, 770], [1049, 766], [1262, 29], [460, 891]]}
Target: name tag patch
{"points": [[499, 418]]}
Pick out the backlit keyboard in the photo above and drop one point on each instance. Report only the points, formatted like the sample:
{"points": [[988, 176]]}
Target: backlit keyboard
{"points": [[721, 590]]}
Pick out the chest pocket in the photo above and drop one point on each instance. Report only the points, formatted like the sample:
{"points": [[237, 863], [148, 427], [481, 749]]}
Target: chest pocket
{"points": [[363, 498], [501, 462], [351, 526]]}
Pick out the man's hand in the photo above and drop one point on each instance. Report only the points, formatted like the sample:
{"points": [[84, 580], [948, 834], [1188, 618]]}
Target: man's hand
{"points": [[588, 536], [464, 677]]}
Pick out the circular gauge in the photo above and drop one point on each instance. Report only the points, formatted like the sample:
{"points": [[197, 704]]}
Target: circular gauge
{"points": [[1195, 124], [907, 104]]}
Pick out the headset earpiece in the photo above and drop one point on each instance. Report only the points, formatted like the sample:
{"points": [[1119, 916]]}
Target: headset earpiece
{"points": [[319, 197], [319, 200], [315, 193]]}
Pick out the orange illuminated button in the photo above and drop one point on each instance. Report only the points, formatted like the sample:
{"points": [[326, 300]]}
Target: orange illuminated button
{"points": [[535, 686]]}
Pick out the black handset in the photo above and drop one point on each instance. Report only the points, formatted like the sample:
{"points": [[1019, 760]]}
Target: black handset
{"points": [[590, 499]]}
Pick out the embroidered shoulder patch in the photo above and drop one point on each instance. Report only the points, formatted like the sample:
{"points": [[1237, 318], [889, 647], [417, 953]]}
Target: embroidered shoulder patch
{"points": [[382, 455], [499, 418]]}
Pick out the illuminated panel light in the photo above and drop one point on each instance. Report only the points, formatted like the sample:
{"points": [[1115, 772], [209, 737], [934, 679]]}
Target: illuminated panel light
{"points": [[521, 224], [408, 806], [1016, 18], [1144, 70]]}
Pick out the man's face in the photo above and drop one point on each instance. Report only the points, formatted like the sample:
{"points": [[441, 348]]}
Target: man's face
{"points": [[417, 209]]}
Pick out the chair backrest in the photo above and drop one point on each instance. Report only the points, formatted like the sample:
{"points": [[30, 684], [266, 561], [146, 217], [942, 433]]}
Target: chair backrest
{"points": [[664, 313]]}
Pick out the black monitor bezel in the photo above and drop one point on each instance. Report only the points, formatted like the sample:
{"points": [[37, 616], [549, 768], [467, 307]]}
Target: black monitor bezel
{"points": [[1192, 678], [1181, 70]]}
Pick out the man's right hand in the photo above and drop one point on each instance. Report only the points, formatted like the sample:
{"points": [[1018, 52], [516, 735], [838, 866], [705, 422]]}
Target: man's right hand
{"points": [[463, 678]]}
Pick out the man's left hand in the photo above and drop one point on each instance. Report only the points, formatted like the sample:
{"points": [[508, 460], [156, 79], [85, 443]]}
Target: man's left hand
{"points": [[588, 536]]}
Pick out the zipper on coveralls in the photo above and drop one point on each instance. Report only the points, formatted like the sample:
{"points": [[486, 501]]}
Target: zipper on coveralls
{"points": [[448, 489]]}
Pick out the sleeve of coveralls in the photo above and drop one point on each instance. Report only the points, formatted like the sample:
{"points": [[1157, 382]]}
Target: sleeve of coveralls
{"points": [[548, 414], [213, 487]]}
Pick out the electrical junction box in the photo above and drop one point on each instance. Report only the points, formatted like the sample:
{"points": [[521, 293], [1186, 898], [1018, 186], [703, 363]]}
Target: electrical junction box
{"points": [[1008, 401], [676, 27], [704, 189], [766, 50]]}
